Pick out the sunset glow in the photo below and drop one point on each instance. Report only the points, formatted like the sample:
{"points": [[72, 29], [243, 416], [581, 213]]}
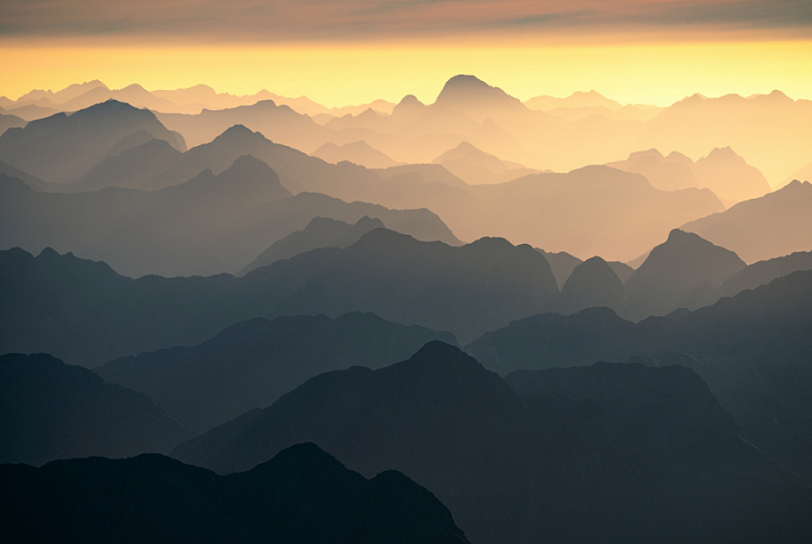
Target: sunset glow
{"points": [[340, 74]]}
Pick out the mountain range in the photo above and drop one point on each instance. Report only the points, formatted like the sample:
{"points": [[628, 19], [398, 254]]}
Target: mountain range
{"points": [[303, 496], [468, 109], [251, 364], [574, 469], [752, 349], [51, 410]]}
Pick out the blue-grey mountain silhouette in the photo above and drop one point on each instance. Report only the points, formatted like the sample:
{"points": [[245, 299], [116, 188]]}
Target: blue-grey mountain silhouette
{"points": [[50, 410], [301, 496]]}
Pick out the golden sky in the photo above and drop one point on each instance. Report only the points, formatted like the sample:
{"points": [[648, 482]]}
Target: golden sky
{"points": [[352, 52]]}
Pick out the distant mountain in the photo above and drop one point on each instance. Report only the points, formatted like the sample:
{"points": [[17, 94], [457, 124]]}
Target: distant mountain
{"points": [[32, 112], [594, 210], [475, 166], [802, 174], [562, 264], [465, 290], [684, 271], [499, 462], [578, 99], [763, 272], [729, 176], [622, 270], [476, 98], [191, 228], [85, 313], [696, 124], [368, 119], [131, 168], [8, 121], [429, 173], [60, 97], [356, 152], [32, 181], [278, 123], [763, 228], [301, 496], [594, 283], [251, 364], [62, 148], [640, 112], [51, 410], [319, 233], [671, 173], [722, 171], [134, 95], [753, 350]]}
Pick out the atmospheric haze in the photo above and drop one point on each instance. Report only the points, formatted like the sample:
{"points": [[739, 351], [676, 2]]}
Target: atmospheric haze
{"points": [[383, 271]]}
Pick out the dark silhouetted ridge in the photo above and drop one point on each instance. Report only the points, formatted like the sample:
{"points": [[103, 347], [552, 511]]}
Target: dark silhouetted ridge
{"points": [[622, 455], [301, 496], [262, 360], [51, 410]]}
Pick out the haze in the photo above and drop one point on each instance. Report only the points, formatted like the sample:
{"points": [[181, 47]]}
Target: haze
{"points": [[456, 271]]}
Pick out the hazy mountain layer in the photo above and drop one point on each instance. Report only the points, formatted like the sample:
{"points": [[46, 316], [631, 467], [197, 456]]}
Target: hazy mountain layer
{"points": [[51, 410], [722, 171], [763, 228], [85, 313], [301, 496], [319, 233], [764, 272], [64, 147], [251, 364], [207, 225], [682, 272], [356, 152], [502, 464], [591, 211]]}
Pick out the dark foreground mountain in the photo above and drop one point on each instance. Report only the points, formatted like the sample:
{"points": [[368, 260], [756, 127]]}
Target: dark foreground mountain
{"points": [[320, 232], [301, 496], [50, 410], [753, 350], [251, 364], [85, 313], [513, 470], [763, 228]]}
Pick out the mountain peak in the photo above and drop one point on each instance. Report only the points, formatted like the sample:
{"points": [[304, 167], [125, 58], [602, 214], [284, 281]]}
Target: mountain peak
{"points": [[466, 90], [237, 133]]}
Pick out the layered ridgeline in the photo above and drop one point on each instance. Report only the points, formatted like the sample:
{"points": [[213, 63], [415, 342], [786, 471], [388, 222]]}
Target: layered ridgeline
{"points": [[50, 410], [723, 171], [553, 211], [64, 147], [85, 313], [301, 496], [763, 228], [579, 468], [251, 364], [569, 133], [319, 233], [753, 350], [209, 224]]}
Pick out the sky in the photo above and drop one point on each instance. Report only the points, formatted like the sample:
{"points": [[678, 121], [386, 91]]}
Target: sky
{"points": [[338, 53]]}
